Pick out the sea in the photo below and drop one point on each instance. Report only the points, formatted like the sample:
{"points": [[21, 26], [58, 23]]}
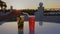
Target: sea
{"points": [[45, 28]]}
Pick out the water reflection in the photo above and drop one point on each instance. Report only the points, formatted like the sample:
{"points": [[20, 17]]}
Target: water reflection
{"points": [[9, 28], [47, 28], [40, 23]]}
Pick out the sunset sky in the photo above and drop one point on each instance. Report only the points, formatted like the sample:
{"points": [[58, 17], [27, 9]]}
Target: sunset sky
{"points": [[32, 4]]}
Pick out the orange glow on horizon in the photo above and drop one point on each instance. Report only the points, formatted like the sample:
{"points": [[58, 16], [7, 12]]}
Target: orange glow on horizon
{"points": [[29, 4]]}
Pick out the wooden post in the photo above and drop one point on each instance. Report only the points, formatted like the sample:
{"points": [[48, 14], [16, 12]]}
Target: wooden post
{"points": [[20, 24]]}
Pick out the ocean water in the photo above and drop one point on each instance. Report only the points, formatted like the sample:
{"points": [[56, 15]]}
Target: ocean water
{"points": [[46, 28]]}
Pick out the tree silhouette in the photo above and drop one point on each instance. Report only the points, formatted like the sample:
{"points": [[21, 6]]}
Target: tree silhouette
{"points": [[2, 4]]}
